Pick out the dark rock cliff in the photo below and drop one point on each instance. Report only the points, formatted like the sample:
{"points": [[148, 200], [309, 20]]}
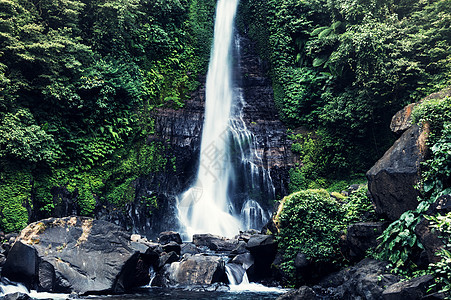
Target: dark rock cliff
{"points": [[181, 130]]}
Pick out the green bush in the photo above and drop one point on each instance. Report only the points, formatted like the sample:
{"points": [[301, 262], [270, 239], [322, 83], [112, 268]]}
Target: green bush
{"points": [[442, 268], [310, 222]]}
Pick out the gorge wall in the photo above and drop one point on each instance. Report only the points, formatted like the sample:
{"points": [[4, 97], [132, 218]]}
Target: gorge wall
{"points": [[180, 131]]}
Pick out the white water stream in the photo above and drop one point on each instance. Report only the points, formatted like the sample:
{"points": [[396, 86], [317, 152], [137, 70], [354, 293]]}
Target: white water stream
{"points": [[206, 206]]}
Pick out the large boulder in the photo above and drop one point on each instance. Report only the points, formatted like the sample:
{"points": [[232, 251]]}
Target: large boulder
{"points": [[74, 254], [360, 237], [214, 242], [392, 180], [193, 270], [303, 293], [402, 120], [366, 280], [413, 289], [264, 249], [169, 236]]}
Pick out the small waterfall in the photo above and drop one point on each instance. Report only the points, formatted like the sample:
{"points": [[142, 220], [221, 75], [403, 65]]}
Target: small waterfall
{"points": [[231, 179], [152, 274], [9, 287], [235, 274]]}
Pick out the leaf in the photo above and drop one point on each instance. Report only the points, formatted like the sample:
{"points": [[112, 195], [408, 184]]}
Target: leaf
{"points": [[318, 61], [336, 25], [318, 30], [325, 33]]}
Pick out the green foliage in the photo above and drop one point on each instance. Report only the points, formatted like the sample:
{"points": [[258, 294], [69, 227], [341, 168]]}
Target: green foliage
{"points": [[345, 68], [358, 207], [22, 139], [442, 268], [308, 174], [311, 223], [15, 196], [399, 243], [435, 113], [78, 84]]}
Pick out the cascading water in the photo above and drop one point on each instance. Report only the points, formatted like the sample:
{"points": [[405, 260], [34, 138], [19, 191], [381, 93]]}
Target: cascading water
{"points": [[229, 164]]}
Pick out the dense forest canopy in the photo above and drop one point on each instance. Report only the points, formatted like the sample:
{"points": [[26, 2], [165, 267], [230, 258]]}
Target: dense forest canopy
{"points": [[78, 83], [341, 69]]}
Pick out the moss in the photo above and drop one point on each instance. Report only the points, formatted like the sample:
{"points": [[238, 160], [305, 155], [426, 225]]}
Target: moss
{"points": [[15, 196]]}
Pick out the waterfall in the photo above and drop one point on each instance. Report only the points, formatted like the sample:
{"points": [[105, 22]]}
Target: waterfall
{"points": [[229, 165]]}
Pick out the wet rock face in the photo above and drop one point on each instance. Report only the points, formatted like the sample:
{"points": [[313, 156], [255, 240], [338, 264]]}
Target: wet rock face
{"points": [[74, 254], [181, 129], [261, 118], [196, 269]]}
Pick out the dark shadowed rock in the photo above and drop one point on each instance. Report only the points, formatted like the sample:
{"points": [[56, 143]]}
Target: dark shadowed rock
{"points": [[167, 258], [214, 242], [366, 280], [303, 293], [169, 236], [246, 235], [2, 260], [73, 254], [246, 260], [263, 248], [360, 237], [196, 269], [189, 248], [301, 261], [172, 246], [392, 180], [413, 289], [240, 248], [429, 237]]}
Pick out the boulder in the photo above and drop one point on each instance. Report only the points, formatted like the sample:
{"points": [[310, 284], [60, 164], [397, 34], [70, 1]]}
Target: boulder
{"points": [[429, 237], [246, 260], [169, 236], [240, 248], [413, 289], [74, 254], [360, 237], [189, 248], [301, 261], [172, 246], [2, 259], [264, 249], [214, 242], [193, 270], [366, 280], [167, 258], [392, 180], [303, 293], [246, 235], [402, 120]]}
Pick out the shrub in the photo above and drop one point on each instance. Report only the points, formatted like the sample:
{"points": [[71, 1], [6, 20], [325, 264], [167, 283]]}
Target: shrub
{"points": [[442, 269], [310, 222]]}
